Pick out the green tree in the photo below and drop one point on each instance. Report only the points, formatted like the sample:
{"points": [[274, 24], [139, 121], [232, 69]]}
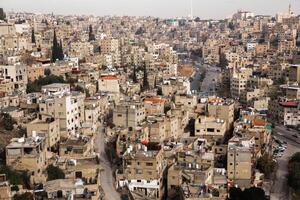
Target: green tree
{"points": [[2, 14], [36, 85], [223, 62], [8, 122], [13, 176], [24, 196], [55, 48], [60, 52], [266, 165], [145, 79], [54, 173], [32, 36], [294, 173], [91, 33], [252, 193]]}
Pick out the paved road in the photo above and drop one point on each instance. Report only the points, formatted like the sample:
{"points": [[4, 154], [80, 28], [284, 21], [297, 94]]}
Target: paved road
{"points": [[211, 78], [280, 188], [106, 176], [208, 83]]}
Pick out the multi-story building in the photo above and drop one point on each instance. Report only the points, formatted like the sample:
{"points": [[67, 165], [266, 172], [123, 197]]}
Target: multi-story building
{"points": [[222, 109], [15, 73], [294, 73], [27, 154], [79, 147], [67, 108], [239, 81], [143, 172], [47, 127], [285, 112], [210, 128], [129, 114], [111, 85], [109, 45], [239, 161], [34, 72]]}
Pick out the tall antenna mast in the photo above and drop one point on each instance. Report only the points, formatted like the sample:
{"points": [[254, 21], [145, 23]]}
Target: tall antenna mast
{"points": [[191, 14]]}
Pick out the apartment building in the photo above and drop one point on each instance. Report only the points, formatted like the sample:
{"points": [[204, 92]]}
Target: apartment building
{"points": [[210, 128], [143, 172], [77, 147], [291, 91], [109, 45], [239, 81], [67, 108], [47, 127], [110, 85], [294, 73], [222, 109], [129, 114], [27, 154], [239, 161], [15, 73], [154, 105], [189, 102], [7, 87], [157, 128], [284, 111], [34, 72]]}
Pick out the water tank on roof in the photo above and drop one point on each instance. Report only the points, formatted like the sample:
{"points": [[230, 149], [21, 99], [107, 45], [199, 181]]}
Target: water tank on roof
{"points": [[21, 140], [33, 134]]}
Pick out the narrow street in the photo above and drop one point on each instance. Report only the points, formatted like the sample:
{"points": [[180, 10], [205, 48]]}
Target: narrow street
{"points": [[279, 190], [106, 177], [209, 83]]}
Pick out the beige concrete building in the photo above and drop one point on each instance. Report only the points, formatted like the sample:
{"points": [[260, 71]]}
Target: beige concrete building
{"points": [[34, 72], [239, 81], [143, 173], [221, 109], [67, 108], [47, 127], [74, 148], [5, 188], [239, 161], [294, 73], [109, 45], [7, 87], [129, 114], [210, 128], [27, 154], [15, 73]]}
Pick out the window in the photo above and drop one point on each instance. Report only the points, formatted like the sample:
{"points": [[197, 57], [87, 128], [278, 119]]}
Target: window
{"points": [[149, 164], [210, 130]]}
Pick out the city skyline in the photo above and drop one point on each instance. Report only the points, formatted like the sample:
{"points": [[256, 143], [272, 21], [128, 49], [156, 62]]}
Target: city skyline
{"points": [[215, 9]]}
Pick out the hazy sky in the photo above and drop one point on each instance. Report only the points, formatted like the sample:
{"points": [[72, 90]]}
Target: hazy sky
{"points": [[160, 8]]}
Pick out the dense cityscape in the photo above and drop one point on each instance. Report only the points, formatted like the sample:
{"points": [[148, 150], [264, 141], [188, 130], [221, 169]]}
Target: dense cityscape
{"points": [[146, 108]]}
